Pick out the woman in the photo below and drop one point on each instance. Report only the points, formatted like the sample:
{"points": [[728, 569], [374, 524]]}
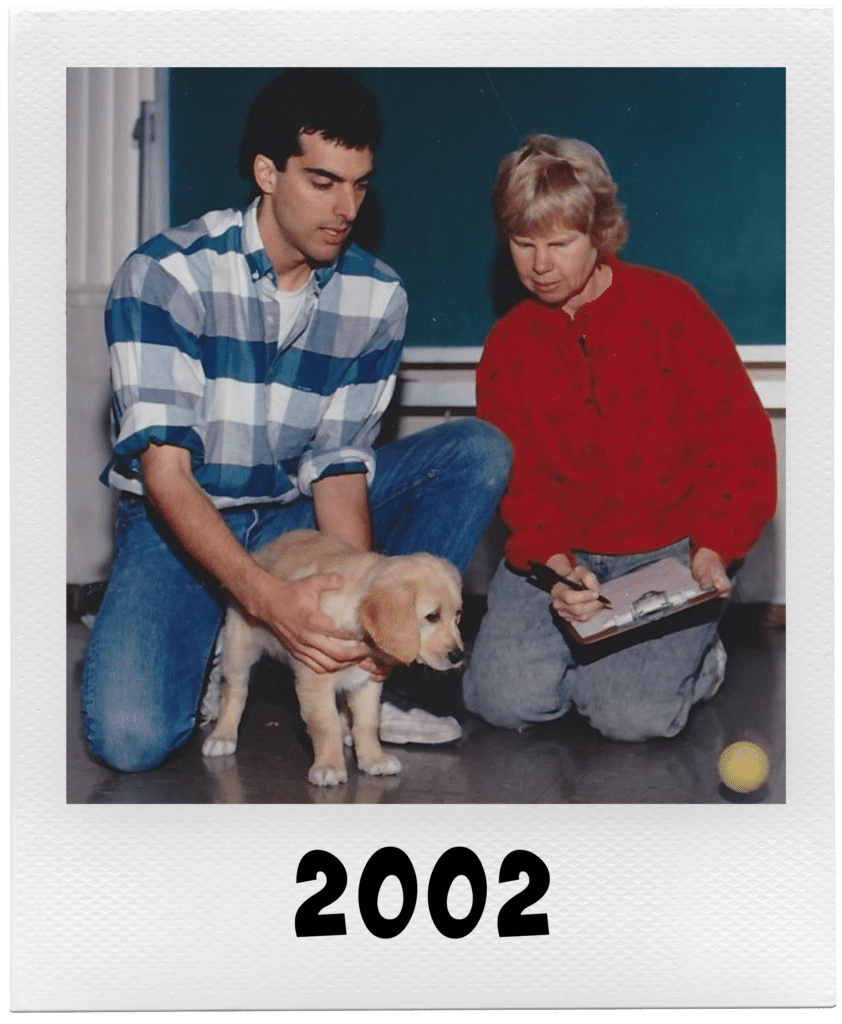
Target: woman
{"points": [[637, 435]]}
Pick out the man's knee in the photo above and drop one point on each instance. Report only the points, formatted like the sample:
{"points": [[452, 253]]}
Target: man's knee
{"points": [[481, 446], [123, 726], [131, 743], [496, 452], [495, 441]]}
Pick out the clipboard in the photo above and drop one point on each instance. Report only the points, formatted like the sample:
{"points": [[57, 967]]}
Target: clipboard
{"points": [[640, 597]]}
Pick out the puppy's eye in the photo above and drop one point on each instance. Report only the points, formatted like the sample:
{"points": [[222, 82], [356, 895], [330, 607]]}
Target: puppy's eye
{"points": [[433, 616]]}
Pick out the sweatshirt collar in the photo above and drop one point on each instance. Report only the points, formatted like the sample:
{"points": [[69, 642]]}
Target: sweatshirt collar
{"points": [[607, 301]]}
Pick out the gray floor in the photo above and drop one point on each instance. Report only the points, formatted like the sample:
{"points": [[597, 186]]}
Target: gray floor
{"points": [[563, 762]]}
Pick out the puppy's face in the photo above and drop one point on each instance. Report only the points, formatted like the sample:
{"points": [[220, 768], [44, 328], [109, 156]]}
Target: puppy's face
{"points": [[413, 609], [438, 607]]}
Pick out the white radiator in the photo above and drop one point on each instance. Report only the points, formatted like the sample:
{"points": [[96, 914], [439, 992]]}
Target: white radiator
{"points": [[103, 216], [103, 105]]}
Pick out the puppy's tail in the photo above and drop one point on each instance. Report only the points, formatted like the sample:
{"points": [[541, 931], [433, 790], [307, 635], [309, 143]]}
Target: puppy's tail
{"points": [[209, 711]]}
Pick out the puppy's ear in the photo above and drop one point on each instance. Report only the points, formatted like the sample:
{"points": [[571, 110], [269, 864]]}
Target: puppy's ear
{"points": [[388, 616]]}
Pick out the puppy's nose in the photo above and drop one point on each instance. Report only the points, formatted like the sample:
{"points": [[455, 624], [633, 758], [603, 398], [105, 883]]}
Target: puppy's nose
{"points": [[455, 656]]}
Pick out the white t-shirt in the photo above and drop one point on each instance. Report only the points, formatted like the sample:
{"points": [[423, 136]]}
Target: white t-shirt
{"points": [[289, 306]]}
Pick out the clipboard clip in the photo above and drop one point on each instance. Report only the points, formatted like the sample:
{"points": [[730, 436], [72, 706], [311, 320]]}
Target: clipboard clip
{"points": [[648, 604]]}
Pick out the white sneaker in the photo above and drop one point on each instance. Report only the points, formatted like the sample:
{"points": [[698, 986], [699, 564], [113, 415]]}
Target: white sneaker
{"points": [[416, 726]]}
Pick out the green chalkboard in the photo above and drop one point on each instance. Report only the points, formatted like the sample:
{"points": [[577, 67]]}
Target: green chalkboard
{"points": [[698, 153]]}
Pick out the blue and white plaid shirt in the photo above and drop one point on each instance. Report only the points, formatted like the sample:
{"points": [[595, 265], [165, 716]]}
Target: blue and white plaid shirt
{"points": [[192, 324]]}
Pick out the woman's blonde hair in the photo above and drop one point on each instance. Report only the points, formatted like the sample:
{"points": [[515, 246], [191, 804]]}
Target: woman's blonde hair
{"points": [[550, 182]]}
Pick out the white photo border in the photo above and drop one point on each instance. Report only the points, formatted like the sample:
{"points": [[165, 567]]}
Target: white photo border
{"points": [[183, 907]]}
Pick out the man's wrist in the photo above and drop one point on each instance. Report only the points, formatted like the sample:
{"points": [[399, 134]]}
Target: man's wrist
{"points": [[256, 591]]}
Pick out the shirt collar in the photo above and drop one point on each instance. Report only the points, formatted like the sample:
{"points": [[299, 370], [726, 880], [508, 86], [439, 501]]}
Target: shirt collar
{"points": [[258, 260], [324, 274]]}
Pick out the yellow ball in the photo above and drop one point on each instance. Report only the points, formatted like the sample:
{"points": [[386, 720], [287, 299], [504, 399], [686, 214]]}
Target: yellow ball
{"points": [[743, 767]]}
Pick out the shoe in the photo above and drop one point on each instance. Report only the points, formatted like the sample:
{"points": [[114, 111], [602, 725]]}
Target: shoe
{"points": [[416, 726], [418, 686]]}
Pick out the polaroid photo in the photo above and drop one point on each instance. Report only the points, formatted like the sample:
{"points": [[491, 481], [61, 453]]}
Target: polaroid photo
{"points": [[468, 859]]}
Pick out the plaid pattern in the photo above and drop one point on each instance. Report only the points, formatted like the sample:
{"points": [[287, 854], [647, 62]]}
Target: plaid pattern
{"points": [[192, 325]]}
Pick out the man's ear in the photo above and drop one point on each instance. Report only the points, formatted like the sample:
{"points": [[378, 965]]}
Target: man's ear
{"points": [[265, 173], [388, 615]]}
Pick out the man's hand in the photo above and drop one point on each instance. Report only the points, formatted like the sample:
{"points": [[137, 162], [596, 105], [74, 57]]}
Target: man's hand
{"points": [[709, 571], [342, 510], [293, 612], [574, 605]]}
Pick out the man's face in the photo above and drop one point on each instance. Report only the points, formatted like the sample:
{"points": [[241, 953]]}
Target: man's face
{"points": [[309, 207], [553, 265]]}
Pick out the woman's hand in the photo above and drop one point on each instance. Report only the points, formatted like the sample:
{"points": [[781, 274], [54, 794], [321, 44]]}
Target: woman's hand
{"points": [[574, 605], [709, 571]]}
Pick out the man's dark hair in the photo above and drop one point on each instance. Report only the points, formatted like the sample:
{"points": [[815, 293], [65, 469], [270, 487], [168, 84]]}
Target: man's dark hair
{"points": [[312, 100]]}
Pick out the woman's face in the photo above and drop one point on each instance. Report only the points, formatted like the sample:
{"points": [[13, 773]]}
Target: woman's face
{"points": [[554, 265]]}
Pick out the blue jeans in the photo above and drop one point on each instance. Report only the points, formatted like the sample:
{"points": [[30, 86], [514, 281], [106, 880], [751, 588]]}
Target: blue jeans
{"points": [[155, 632], [638, 686]]}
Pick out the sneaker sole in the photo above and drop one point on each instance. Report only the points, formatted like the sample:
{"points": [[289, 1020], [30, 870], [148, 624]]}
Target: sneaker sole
{"points": [[403, 739]]}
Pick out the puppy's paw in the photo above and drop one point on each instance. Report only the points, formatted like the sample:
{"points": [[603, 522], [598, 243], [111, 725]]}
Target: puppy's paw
{"points": [[324, 775], [386, 764], [218, 746]]}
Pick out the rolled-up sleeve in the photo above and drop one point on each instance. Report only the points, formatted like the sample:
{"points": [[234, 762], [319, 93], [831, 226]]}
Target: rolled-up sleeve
{"points": [[152, 326]]}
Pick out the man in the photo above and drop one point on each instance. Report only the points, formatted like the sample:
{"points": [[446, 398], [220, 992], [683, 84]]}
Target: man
{"points": [[253, 353]]}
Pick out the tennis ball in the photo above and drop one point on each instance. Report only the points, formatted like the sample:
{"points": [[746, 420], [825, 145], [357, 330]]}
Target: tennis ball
{"points": [[743, 767]]}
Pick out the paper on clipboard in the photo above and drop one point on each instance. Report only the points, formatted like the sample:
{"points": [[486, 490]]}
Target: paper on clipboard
{"points": [[650, 593]]}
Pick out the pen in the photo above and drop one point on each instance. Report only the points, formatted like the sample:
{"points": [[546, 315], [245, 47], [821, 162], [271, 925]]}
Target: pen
{"points": [[544, 577]]}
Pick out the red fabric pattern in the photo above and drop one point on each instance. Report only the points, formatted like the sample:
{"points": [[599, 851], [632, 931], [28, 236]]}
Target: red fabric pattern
{"points": [[633, 425]]}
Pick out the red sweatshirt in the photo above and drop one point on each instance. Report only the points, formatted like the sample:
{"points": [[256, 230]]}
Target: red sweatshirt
{"points": [[633, 425]]}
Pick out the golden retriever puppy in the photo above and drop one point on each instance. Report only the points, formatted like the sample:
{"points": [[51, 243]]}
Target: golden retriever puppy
{"points": [[405, 608]]}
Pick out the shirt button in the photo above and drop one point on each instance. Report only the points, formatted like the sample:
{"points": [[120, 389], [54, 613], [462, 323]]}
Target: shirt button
{"points": [[255, 276]]}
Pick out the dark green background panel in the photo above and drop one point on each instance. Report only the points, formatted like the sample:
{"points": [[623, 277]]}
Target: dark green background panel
{"points": [[698, 154]]}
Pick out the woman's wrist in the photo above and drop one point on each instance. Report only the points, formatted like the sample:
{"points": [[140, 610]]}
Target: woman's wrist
{"points": [[561, 563]]}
